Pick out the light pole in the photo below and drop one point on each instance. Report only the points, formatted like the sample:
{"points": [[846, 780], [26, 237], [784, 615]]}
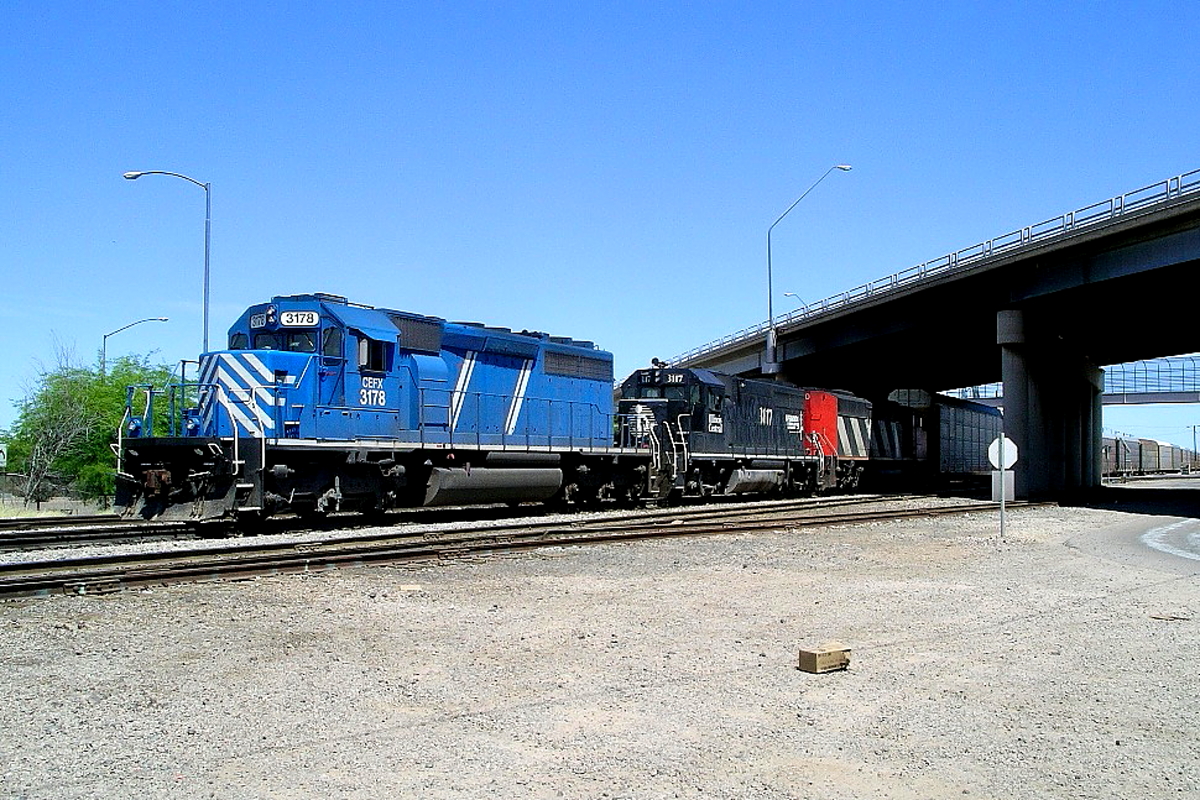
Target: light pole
{"points": [[104, 341], [770, 365], [207, 187]]}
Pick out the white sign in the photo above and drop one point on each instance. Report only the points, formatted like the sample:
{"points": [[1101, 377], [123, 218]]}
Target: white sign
{"points": [[1010, 453], [1003, 481], [3, 456]]}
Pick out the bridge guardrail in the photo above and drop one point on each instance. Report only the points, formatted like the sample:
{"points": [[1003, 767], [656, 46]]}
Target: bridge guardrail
{"points": [[1040, 232], [1168, 375]]}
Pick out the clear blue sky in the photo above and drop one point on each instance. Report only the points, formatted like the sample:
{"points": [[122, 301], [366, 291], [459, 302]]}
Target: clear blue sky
{"points": [[599, 170]]}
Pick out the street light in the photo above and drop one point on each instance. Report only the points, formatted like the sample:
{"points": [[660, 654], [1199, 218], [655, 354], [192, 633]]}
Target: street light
{"points": [[770, 365], [796, 297], [207, 187], [104, 341]]}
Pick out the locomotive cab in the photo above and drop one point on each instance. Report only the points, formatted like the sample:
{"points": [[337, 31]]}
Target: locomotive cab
{"points": [[691, 399]]}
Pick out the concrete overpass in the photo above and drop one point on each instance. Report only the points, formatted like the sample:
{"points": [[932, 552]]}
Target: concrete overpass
{"points": [[1039, 308]]}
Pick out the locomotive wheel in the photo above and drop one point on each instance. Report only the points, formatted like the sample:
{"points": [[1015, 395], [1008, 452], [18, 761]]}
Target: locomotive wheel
{"points": [[248, 523], [313, 516]]}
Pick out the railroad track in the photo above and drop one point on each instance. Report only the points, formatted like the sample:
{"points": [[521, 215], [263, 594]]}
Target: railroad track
{"points": [[250, 558], [40, 533], [36, 523], [37, 533]]}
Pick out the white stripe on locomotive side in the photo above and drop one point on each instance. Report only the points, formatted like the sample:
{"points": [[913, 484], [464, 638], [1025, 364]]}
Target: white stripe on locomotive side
{"points": [[232, 382], [514, 409], [852, 441], [465, 370], [258, 396], [248, 381], [236, 415], [247, 397], [209, 394], [253, 361], [863, 426]]}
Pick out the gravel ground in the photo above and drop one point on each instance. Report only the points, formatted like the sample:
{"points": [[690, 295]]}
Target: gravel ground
{"points": [[1027, 667]]}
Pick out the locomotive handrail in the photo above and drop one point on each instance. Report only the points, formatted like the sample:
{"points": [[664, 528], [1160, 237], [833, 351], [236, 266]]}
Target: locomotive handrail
{"points": [[176, 408], [1061, 226]]}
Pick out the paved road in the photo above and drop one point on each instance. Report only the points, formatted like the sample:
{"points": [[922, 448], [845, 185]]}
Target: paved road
{"points": [[1163, 531], [1181, 538]]}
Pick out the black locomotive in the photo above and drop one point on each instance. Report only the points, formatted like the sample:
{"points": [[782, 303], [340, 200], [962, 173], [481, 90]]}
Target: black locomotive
{"points": [[719, 434]]}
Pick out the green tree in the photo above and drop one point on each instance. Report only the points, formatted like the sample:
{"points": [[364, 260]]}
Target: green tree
{"points": [[67, 422]]}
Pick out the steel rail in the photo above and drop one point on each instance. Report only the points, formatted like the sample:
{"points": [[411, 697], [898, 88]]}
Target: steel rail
{"points": [[30, 533], [42, 523], [103, 574], [56, 538], [49, 532]]}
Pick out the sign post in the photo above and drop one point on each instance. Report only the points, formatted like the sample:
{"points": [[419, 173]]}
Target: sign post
{"points": [[1002, 452]]}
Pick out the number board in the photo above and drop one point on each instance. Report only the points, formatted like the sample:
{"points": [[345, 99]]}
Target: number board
{"points": [[299, 319]]}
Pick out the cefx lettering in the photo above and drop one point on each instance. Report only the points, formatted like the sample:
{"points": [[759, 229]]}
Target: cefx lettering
{"points": [[372, 393]]}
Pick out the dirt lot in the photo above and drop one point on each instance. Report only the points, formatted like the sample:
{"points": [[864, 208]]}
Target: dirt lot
{"points": [[1028, 667]]}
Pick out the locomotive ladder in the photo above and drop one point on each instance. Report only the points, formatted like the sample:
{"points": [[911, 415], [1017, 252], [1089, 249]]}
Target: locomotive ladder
{"points": [[827, 461], [677, 436]]}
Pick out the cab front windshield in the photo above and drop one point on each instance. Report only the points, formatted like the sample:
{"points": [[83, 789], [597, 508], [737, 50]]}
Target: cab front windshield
{"points": [[289, 341], [672, 392]]}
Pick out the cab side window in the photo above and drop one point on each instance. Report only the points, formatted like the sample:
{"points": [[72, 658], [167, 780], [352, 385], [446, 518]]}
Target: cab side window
{"points": [[373, 355], [331, 343]]}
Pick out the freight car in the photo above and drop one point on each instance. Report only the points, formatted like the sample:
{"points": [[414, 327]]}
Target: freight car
{"points": [[927, 440], [1125, 456], [1120, 456], [320, 404]]}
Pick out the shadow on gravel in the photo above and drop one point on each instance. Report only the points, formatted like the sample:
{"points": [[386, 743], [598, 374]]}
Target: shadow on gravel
{"points": [[1159, 501]]}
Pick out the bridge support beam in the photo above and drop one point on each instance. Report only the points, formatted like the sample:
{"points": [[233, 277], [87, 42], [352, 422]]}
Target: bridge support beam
{"points": [[1052, 407]]}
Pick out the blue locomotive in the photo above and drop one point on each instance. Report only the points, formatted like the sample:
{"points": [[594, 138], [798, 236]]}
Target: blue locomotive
{"points": [[319, 404]]}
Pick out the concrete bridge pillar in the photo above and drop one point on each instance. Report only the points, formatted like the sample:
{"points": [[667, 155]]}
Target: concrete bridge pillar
{"points": [[1052, 407]]}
